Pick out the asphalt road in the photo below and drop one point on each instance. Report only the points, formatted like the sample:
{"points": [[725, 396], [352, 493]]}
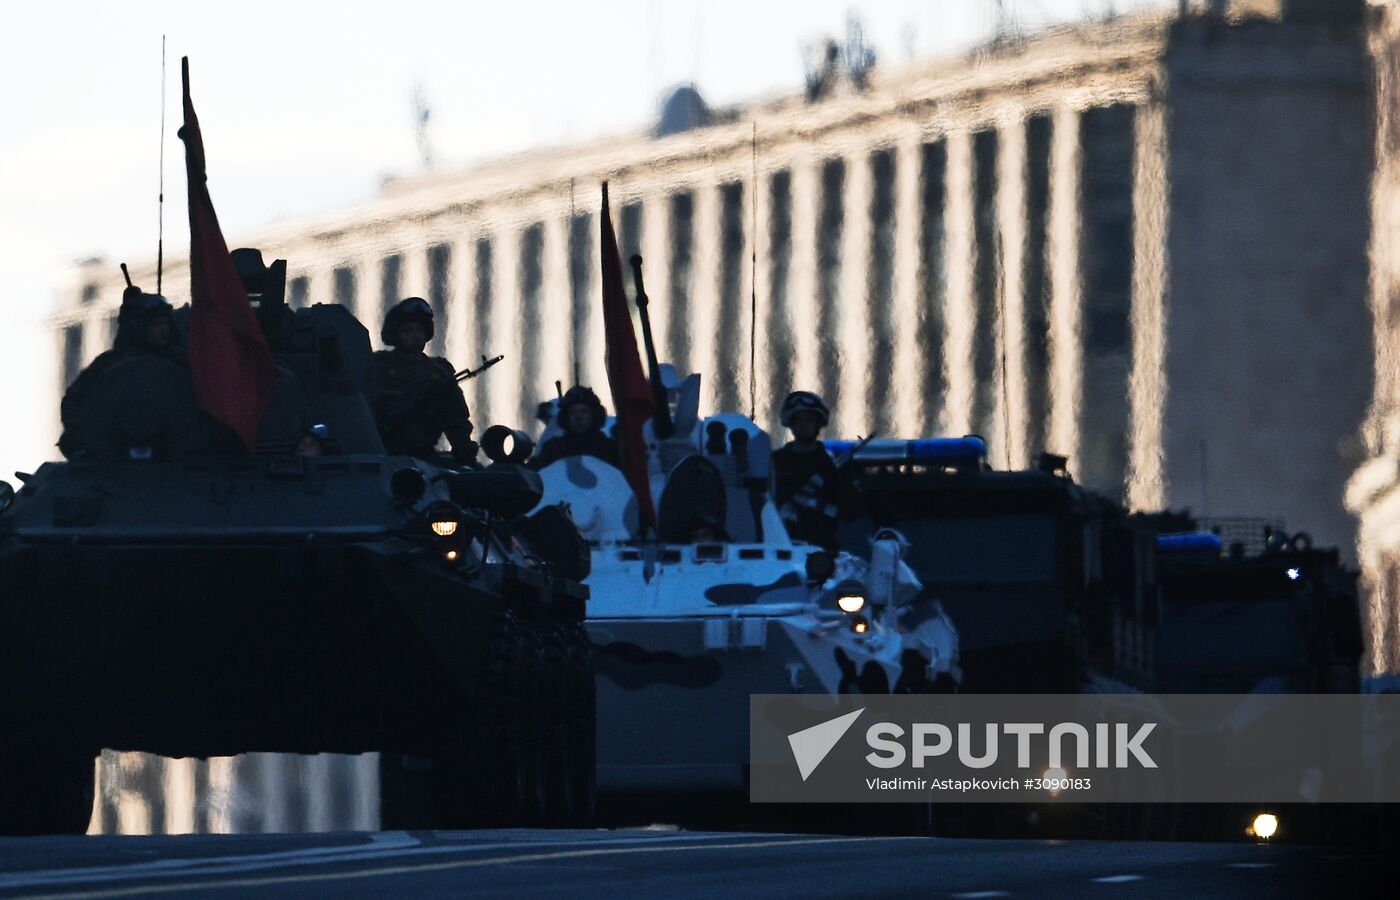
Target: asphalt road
{"points": [[637, 862]]}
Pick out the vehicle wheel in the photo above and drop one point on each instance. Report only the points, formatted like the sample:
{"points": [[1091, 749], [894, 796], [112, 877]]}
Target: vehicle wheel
{"points": [[534, 752], [480, 777], [46, 787], [558, 728], [584, 726]]}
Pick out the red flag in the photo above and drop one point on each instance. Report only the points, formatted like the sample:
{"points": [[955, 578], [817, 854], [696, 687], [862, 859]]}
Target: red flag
{"points": [[229, 360], [631, 394]]}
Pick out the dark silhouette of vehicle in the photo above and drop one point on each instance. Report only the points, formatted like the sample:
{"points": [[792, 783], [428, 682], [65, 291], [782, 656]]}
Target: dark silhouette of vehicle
{"points": [[1051, 586], [160, 591]]}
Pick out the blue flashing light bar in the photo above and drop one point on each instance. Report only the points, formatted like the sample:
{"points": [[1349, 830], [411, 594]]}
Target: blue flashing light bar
{"points": [[1190, 543], [949, 452]]}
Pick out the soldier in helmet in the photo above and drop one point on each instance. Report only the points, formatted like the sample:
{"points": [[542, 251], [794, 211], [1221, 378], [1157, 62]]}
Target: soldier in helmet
{"points": [[145, 326], [581, 416], [806, 481], [415, 396]]}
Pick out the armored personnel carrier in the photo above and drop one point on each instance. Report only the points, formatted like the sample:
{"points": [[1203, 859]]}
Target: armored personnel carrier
{"points": [[1052, 587], [160, 591], [720, 603]]}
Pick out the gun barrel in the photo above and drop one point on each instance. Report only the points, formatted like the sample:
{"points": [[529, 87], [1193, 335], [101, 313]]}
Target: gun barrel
{"points": [[920, 452]]}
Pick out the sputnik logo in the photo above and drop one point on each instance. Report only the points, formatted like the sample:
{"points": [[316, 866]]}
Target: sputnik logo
{"points": [[811, 745]]}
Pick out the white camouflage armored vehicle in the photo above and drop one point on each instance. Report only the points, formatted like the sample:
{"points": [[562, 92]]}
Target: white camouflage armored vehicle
{"points": [[719, 603]]}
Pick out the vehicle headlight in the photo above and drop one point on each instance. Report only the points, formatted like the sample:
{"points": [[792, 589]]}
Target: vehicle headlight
{"points": [[444, 527], [1264, 826], [850, 603]]}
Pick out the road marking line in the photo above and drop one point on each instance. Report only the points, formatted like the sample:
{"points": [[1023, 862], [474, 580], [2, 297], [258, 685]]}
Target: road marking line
{"points": [[148, 889], [975, 895], [1251, 865], [1116, 879], [307, 856]]}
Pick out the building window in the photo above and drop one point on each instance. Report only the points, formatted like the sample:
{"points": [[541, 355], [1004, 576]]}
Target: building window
{"points": [[1036, 296], [532, 322], [830, 225], [72, 352], [344, 278], [299, 291], [682, 209], [733, 355], [985, 285], [89, 293], [1106, 272], [933, 173], [879, 399], [439, 290], [780, 325], [390, 269], [581, 263], [482, 301]]}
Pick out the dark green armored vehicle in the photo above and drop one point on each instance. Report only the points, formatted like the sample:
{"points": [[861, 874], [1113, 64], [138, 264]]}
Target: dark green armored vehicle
{"points": [[161, 592]]}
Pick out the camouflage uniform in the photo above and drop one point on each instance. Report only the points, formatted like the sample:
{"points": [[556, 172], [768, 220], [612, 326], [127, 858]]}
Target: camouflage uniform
{"points": [[137, 311], [806, 483], [415, 397]]}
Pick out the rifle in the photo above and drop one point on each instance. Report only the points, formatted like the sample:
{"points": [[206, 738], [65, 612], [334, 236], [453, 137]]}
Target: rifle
{"points": [[469, 373]]}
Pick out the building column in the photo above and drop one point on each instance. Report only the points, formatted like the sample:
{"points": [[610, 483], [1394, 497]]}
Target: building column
{"points": [[656, 256], [592, 363], [180, 800], [554, 317], [1062, 248], [1010, 434], [906, 379], [367, 306], [960, 308], [706, 329], [504, 380], [219, 813], [852, 312], [1147, 384], [413, 270]]}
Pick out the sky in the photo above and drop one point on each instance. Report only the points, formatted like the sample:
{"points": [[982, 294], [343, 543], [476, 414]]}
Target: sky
{"points": [[305, 107]]}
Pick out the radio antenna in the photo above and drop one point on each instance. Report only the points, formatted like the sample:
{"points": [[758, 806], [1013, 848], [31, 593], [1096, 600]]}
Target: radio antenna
{"points": [[160, 226], [753, 279], [574, 317]]}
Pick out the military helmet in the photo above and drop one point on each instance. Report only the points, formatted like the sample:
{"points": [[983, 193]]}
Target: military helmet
{"points": [[404, 311], [138, 305], [584, 395], [803, 401]]}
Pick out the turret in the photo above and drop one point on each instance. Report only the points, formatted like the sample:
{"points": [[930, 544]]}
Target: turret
{"points": [[133, 403]]}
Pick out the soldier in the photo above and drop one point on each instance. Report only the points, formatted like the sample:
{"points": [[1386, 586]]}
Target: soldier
{"points": [[581, 416], [806, 480], [145, 326], [415, 396]]}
